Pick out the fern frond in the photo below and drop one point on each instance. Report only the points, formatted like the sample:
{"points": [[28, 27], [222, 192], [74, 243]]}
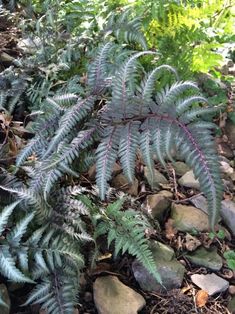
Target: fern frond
{"points": [[106, 156], [69, 120], [97, 71], [57, 292], [16, 234], [148, 84], [121, 92], [65, 100], [5, 214], [170, 94], [127, 148], [127, 230], [199, 152], [193, 114], [126, 30], [183, 105], [8, 268], [146, 146]]}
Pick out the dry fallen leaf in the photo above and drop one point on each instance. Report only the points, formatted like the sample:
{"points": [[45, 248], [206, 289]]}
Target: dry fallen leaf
{"points": [[201, 298], [170, 230], [186, 289]]}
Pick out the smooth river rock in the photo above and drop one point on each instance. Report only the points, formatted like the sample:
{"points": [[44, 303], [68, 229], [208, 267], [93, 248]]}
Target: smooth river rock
{"points": [[111, 296], [189, 218]]}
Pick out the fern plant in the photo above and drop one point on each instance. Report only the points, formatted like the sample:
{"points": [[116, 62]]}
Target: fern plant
{"points": [[135, 116], [44, 254], [127, 229]]}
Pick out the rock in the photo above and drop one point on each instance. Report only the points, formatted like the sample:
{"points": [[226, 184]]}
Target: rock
{"points": [[158, 203], [170, 270], [225, 150], [189, 218], [231, 305], [161, 250], [211, 283], [188, 180], [158, 178], [200, 202], [180, 168], [171, 273], [92, 171], [226, 168], [111, 296], [206, 258], [230, 132], [121, 182], [5, 57], [228, 214], [231, 289], [5, 298]]}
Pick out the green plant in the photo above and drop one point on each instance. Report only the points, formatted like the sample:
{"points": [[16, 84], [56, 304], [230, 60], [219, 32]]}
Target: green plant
{"points": [[187, 33], [127, 229], [230, 259]]}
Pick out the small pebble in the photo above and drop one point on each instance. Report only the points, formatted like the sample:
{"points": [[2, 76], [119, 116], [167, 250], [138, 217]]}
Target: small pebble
{"points": [[88, 297], [182, 261], [231, 289]]}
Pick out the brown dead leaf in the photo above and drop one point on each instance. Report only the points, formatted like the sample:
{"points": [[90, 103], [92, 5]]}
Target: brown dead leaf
{"points": [[201, 298], [170, 229], [186, 289]]}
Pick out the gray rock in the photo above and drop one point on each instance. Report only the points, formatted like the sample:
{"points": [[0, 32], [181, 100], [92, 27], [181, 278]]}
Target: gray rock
{"points": [[171, 273], [228, 214], [211, 283], [200, 202], [226, 168], [158, 178], [180, 168], [170, 270], [189, 218], [162, 251], [111, 296], [5, 298], [206, 258], [158, 203], [188, 180]]}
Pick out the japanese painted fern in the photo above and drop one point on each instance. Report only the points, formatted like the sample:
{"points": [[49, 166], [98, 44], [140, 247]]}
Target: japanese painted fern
{"points": [[121, 111]]}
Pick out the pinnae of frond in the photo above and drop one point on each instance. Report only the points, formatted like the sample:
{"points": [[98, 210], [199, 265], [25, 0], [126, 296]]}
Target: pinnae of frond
{"points": [[124, 76], [148, 84]]}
